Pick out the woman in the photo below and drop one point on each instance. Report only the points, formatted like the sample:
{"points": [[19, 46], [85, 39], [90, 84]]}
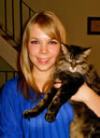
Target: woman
{"points": [[41, 48]]}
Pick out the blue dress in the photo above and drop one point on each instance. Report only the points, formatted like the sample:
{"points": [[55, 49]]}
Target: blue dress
{"points": [[14, 125]]}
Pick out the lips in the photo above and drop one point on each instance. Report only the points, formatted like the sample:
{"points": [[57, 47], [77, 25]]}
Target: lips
{"points": [[43, 60]]}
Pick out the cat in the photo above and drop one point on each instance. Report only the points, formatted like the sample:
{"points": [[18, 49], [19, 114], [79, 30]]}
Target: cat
{"points": [[73, 70], [75, 60]]}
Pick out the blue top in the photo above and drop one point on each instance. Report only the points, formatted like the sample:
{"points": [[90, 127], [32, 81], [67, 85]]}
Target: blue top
{"points": [[14, 125]]}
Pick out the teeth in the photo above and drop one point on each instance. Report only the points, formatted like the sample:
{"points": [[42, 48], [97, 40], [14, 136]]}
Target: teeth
{"points": [[43, 60]]}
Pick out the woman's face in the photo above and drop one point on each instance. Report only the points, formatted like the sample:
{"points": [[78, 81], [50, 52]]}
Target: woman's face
{"points": [[43, 50]]}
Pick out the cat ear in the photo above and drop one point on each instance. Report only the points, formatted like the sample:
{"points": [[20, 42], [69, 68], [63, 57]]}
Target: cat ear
{"points": [[64, 48], [87, 52]]}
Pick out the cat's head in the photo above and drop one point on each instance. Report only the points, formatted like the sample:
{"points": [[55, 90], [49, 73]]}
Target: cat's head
{"points": [[76, 57]]}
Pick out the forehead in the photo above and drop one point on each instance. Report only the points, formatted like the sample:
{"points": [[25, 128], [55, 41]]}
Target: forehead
{"points": [[49, 30], [37, 33]]}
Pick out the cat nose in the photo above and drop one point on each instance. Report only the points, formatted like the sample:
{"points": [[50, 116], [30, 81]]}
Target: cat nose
{"points": [[73, 65]]}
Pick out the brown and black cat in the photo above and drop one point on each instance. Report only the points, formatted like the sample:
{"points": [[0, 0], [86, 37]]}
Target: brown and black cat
{"points": [[88, 125], [73, 70]]}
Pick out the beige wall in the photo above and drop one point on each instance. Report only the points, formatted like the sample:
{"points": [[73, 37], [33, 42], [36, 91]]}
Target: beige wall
{"points": [[4, 65], [74, 16]]}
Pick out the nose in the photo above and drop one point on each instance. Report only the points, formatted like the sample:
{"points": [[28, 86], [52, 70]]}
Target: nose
{"points": [[44, 48]]}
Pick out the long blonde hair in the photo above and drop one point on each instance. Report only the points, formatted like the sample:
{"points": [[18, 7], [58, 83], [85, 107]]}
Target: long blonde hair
{"points": [[53, 27]]}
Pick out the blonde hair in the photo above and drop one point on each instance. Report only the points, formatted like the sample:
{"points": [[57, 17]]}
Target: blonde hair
{"points": [[52, 26]]}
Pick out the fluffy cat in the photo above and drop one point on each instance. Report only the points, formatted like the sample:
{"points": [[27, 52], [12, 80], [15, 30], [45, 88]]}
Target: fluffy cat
{"points": [[72, 70], [86, 124]]}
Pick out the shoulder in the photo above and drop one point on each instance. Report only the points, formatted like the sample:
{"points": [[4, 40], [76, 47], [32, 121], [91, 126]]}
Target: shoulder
{"points": [[10, 87], [12, 82], [12, 90], [11, 96]]}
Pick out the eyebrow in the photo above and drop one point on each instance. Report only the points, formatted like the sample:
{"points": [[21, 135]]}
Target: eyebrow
{"points": [[40, 38]]}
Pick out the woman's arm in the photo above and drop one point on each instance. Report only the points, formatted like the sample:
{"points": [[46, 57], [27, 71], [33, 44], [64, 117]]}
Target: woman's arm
{"points": [[89, 97]]}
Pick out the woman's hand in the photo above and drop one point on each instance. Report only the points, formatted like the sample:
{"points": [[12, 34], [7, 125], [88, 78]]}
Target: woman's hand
{"points": [[86, 95], [82, 94]]}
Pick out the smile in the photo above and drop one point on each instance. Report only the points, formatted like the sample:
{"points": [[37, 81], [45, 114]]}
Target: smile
{"points": [[43, 60]]}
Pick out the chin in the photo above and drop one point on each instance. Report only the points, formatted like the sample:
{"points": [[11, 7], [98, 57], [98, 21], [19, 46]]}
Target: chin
{"points": [[46, 68]]}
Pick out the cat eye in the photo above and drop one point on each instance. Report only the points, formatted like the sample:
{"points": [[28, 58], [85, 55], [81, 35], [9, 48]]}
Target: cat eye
{"points": [[78, 61]]}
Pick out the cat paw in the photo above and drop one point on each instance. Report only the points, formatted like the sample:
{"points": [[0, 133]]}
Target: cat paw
{"points": [[50, 118], [30, 113], [26, 114]]}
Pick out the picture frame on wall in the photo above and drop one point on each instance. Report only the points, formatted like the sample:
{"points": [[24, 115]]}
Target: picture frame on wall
{"points": [[93, 25]]}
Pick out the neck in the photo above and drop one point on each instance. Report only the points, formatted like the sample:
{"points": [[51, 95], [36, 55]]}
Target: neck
{"points": [[41, 78]]}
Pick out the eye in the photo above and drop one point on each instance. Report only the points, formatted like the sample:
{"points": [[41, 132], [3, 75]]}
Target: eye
{"points": [[79, 61], [53, 42], [34, 42], [69, 60]]}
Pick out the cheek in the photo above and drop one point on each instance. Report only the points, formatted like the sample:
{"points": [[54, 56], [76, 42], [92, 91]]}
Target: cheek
{"points": [[55, 51], [32, 50], [31, 53]]}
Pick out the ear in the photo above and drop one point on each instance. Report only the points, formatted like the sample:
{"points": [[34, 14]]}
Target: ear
{"points": [[87, 52], [64, 48]]}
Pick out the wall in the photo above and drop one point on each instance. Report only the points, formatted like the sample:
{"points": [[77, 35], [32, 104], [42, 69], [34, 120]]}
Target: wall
{"points": [[74, 16], [4, 66]]}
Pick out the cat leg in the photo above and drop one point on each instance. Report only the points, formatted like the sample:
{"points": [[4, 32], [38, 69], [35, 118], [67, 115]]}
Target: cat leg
{"points": [[69, 87], [53, 108], [41, 105]]}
